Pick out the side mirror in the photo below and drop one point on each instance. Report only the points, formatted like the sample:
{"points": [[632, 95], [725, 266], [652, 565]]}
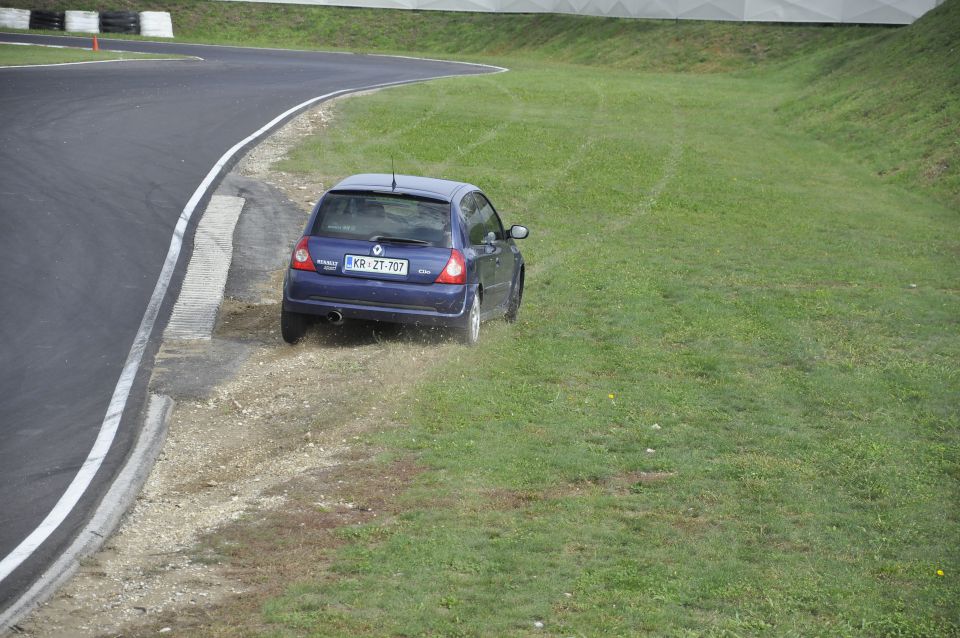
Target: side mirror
{"points": [[518, 232]]}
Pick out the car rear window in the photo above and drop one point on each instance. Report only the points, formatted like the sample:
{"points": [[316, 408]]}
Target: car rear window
{"points": [[377, 216]]}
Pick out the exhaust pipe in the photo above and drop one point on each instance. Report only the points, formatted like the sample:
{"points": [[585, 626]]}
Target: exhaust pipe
{"points": [[335, 317]]}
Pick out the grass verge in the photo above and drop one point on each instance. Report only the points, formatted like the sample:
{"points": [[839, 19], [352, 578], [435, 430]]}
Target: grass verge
{"points": [[19, 55]]}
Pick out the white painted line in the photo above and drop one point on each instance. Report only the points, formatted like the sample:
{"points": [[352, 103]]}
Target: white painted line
{"points": [[30, 44], [107, 517], [499, 69], [118, 401], [196, 307], [40, 66]]}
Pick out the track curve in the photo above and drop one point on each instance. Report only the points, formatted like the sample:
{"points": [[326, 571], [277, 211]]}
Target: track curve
{"points": [[97, 164]]}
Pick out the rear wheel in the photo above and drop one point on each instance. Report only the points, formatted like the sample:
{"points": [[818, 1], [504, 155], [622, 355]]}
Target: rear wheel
{"points": [[293, 326], [471, 334]]}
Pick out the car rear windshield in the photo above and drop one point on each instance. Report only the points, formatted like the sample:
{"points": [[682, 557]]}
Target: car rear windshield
{"points": [[384, 217]]}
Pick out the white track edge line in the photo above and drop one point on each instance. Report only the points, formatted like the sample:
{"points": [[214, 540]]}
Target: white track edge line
{"points": [[118, 401], [40, 66], [106, 519]]}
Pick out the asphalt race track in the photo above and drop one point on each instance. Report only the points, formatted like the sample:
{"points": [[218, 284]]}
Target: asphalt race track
{"points": [[97, 161]]}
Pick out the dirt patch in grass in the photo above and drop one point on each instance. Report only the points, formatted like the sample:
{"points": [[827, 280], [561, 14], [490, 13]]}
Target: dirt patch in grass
{"points": [[271, 550], [257, 472], [620, 484], [630, 481]]}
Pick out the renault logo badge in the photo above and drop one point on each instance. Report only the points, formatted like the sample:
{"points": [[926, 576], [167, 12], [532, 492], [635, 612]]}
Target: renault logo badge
{"points": [[378, 250]]}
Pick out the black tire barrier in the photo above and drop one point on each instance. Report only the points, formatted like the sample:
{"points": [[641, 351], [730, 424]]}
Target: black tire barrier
{"points": [[120, 22], [47, 20]]}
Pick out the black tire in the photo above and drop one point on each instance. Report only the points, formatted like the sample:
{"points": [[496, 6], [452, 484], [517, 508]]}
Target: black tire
{"points": [[126, 29], [119, 16], [470, 335], [47, 20], [120, 22], [516, 298], [293, 326]]}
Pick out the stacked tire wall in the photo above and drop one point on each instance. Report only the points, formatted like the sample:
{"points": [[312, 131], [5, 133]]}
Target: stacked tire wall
{"points": [[47, 20], [119, 22], [157, 24]]}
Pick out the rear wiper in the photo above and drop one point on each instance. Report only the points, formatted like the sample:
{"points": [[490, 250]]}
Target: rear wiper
{"points": [[400, 240]]}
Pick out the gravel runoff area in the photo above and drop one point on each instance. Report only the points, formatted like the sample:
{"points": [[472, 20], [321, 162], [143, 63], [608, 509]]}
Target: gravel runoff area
{"points": [[252, 415]]}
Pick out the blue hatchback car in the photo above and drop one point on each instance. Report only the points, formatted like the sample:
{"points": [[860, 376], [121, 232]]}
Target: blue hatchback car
{"points": [[403, 249]]}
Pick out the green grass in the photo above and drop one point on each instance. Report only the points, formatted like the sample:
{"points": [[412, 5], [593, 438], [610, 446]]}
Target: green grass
{"points": [[721, 274], [17, 55]]}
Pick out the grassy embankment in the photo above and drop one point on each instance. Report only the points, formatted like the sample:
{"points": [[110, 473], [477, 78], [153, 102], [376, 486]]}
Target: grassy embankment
{"points": [[17, 55], [785, 314]]}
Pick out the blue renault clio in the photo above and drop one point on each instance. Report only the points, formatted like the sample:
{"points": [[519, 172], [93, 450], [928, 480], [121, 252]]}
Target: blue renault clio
{"points": [[403, 249]]}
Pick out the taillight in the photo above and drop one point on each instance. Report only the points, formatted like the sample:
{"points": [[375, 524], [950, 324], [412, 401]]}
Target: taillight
{"points": [[301, 259], [455, 272]]}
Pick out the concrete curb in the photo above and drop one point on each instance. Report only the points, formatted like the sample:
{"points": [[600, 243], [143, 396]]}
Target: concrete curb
{"points": [[106, 519]]}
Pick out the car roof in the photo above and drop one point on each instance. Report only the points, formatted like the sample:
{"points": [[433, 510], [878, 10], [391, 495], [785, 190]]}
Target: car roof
{"points": [[407, 184]]}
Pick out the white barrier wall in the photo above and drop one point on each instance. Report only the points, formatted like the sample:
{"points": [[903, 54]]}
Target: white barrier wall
{"points": [[849, 11], [14, 18], [82, 22], [156, 24]]}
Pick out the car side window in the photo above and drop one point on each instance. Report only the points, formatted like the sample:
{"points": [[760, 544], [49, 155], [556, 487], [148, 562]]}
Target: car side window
{"points": [[476, 228], [491, 220]]}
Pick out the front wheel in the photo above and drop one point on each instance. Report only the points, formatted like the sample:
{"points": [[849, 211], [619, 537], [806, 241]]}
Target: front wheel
{"points": [[293, 326], [516, 296], [471, 334]]}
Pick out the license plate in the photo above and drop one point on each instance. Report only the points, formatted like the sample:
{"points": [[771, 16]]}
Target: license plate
{"points": [[379, 265]]}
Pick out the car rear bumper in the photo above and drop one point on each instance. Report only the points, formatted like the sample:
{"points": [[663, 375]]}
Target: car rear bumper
{"points": [[391, 301]]}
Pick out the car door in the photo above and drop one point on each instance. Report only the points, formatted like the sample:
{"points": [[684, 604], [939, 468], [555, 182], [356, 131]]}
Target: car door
{"points": [[484, 253], [495, 242]]}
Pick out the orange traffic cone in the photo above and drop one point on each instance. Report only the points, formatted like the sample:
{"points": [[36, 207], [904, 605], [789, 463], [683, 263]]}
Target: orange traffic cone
{"points": [[96, 45]]}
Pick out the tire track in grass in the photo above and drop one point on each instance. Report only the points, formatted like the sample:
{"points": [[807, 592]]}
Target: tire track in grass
{"points": [[671, 165], [437, 169], [576, 157], [390, 137], [491, 134]]}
